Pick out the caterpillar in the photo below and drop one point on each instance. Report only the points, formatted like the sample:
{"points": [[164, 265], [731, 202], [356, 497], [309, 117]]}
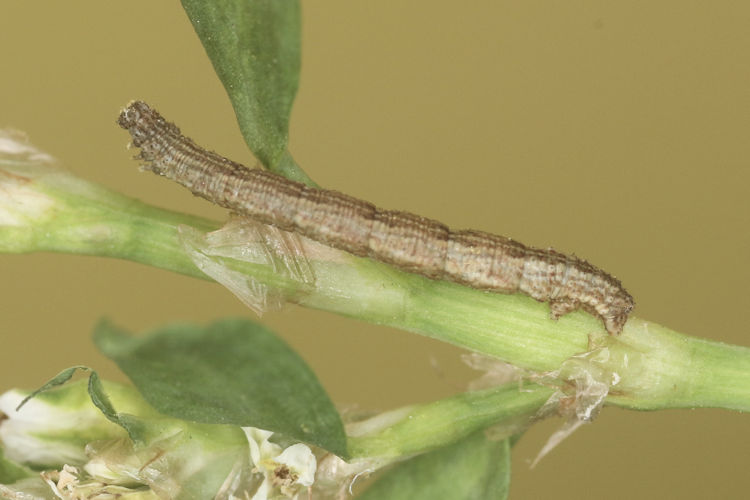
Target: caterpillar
{"points": [[409, 242]]}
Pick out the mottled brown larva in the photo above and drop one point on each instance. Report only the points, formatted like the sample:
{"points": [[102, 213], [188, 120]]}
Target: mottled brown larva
{"points": [[412, 243]]}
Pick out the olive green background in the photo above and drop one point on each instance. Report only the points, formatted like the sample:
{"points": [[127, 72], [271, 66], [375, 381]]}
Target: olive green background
{"points": [[619, 131]]}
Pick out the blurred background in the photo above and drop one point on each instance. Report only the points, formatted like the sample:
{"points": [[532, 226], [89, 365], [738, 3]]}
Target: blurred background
{"points": [[616, 131]]}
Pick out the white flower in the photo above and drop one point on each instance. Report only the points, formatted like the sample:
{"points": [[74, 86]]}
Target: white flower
{"points": [[286, 471], [52, 430]]}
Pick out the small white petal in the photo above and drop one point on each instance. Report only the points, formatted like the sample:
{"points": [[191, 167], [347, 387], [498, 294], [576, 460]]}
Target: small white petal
{"points": [[260, 447], [300, 460], [68, 478]]}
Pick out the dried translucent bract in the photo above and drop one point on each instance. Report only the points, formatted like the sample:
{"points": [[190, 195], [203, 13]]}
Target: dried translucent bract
{"points": [[245, 240]]}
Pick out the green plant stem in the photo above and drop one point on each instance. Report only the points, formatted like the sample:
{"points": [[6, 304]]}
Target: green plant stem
{"points": [[419, 428], [87, 219], [654, 366]]}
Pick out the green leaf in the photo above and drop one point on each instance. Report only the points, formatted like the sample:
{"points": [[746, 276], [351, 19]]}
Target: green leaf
{"points": [[234, 372], [474, 468], [254, 46], [100, 398], [56, 381], [134, 425]]}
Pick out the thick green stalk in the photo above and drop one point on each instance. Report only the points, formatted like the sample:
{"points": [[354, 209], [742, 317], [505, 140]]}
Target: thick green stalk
{"points": [[647, 367], [419, 428], [78, 217]]}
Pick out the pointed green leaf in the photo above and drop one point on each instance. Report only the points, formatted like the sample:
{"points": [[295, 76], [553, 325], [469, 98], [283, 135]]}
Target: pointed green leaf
{"points": [[254, 46], [100, 398], [133, 425], [233, 371], [474, 468], [56, 381]]}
